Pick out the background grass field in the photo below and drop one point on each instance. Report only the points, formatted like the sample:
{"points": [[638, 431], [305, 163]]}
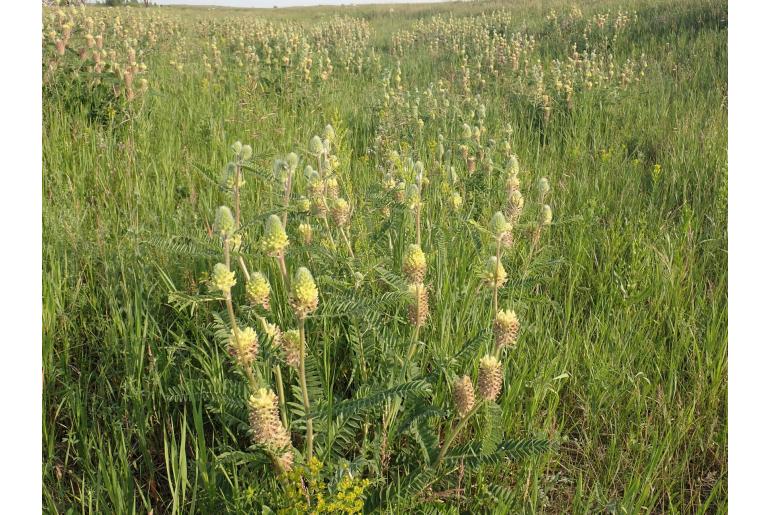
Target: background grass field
{"points": [[623, 353]]}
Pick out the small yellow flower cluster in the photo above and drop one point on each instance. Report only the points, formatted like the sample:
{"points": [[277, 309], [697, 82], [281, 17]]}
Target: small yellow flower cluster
{"points": [[349, 497], [656, 173], [307, 492]]}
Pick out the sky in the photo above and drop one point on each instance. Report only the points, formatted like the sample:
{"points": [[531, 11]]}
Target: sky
{"points": [[284, 3]]}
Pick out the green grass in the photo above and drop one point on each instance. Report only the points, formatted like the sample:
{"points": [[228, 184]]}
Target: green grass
{"points": [[623, 351]]}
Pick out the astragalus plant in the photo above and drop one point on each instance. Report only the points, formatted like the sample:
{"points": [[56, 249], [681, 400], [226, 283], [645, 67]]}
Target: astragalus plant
{"points": [[341, 382]]}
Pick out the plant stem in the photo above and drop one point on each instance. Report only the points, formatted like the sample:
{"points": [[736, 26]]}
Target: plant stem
{"points": [[253, 383], [453, 434], [415, 333], [237, 193], [243, 267], [303, 387], [347, 242], [328, 228], [535, 242], [497, 268], [286, 198], [282, 267], [417, 223], [281, 396]]}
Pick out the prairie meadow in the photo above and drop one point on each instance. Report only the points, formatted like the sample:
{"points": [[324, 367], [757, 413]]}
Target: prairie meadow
{"points": [[452, 257]]}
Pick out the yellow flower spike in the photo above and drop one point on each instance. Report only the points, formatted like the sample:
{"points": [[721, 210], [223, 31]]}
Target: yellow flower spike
{"points": [[490, 377], [274, 240], [258, 290], [304, 298], [224, 222], [505, 327], [292, 347], [267, 429], [463, 395], [418, 306], [414, 264], [305, 231], [494, 274], [341, 212], [222, 278], [245, 346], [546, 215], [499, 225], [457, 201]]}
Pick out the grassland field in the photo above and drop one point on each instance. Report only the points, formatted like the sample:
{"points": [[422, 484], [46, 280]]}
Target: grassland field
{"points": [[619, 285]]}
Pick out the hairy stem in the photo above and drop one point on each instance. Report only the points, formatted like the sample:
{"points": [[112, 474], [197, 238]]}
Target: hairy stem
{"points": [[286, 198], [497, 268], [281, 395], [243, 267], [347, 242], [237, 194], [282, 267], [453, 434], [303, 387], [253, 382]]}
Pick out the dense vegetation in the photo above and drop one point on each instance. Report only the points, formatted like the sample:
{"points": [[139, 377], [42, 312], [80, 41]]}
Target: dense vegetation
{"points": [[533, 192]]}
